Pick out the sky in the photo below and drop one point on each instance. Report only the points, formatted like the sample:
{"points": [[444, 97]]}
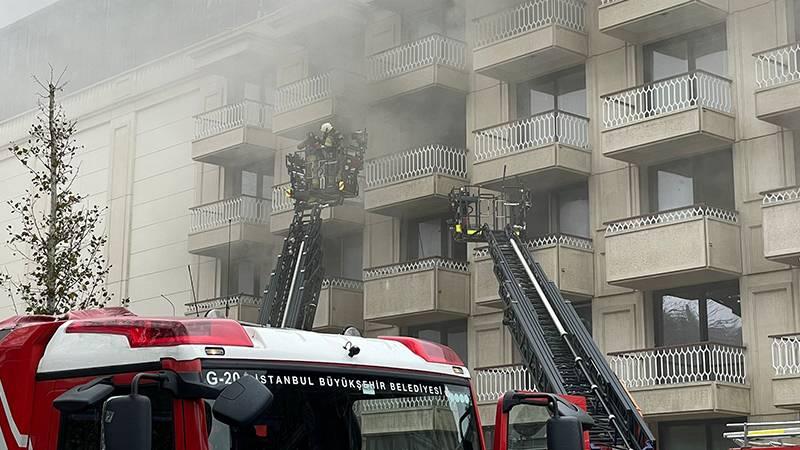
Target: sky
{"points": [[13, 10]]}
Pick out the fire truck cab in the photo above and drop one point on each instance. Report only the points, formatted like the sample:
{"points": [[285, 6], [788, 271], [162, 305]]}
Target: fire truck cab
{"points": [[109, 379]]}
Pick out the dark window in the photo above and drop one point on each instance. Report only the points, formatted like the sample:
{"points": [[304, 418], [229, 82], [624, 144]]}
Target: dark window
{"points": [[343, 257], [246, 277], [81, 431], [452, 334], [705, 435], [563, 211], [704, 313], [702, 179], [705, 49], [584, 309], [426, 238], [562, 91], [244, 182]]}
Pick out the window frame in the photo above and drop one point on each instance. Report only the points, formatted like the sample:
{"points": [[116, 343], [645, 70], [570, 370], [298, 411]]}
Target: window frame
{"points": [[691, 40]]}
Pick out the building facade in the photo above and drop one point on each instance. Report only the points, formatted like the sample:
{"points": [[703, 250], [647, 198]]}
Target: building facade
{"points": [[657, 136]]}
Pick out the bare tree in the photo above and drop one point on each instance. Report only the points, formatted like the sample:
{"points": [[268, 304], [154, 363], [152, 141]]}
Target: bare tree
{"points": [[58, 236]]}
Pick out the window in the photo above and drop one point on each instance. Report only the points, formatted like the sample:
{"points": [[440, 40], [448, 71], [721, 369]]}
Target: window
{"points": [[700, 50], [584, 309], [705, 313], [452, 334], [246, 277], [426, 238], [702, 179], [562, 91], [244, 182], [705, 435], [81, 431], [343, 257], [563, 211]]}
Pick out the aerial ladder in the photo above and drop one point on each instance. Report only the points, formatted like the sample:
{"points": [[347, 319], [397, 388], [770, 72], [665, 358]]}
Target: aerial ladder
{"points": [[322, 173], [554, 345]]}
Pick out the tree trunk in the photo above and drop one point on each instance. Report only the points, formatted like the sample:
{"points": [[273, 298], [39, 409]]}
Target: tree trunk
{"points": [[52, 233]]}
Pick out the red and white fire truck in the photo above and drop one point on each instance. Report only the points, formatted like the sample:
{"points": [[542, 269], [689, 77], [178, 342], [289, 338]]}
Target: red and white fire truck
{"points": [[109, 379]]}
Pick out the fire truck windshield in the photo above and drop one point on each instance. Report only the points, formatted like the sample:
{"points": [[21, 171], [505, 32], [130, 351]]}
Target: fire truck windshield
{"points": [[352, 411]]}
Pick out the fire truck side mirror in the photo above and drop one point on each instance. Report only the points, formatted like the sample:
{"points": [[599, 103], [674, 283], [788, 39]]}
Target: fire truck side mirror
{"points": [[564, 433], [526, 419], [126, 423], [243, 402]]}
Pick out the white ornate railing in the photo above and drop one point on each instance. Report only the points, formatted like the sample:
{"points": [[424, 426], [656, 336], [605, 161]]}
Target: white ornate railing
{"points": [[532, 132], [281, 202], [417, 162], [778, 66], [108, 92], [563, 239], [608, 2], [401, 403], [674, 215], [228, 117], [680, 364], [781, 195], [436, 262], [432, 49], [220, 302], [529, 16], [241, 209], [694, 89], [786, 354], [343, 283], [303, 92], [491, 383]]}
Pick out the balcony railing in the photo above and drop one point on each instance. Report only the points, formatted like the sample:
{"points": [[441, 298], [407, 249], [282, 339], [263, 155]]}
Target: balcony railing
{"points": [[492, 382], [678, 364], [436, 262], [778, 66], [666, 96], [670, 216], [281, 202], [781, 195], [381, 405], [529, 16], [531, 132], [222, 302], [343, 283], [432, 49], [303, 92], [241, 209], [417, 162], [564, 239], [228, 117], [786, 354]]}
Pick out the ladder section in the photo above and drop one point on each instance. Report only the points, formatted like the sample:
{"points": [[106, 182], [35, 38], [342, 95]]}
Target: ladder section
{"points": [[557, 348], [290, 300]]}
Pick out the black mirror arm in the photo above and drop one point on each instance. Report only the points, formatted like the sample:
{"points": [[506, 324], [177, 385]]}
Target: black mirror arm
{"points": [[160, 377]]}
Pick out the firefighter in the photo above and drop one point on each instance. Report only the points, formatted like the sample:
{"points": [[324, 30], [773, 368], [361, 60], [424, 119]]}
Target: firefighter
{"points": [[332, 145]]}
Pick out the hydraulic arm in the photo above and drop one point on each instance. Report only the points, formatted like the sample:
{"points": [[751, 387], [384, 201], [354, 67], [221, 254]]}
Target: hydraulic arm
{"points": [[553, 343], [322, 174]]}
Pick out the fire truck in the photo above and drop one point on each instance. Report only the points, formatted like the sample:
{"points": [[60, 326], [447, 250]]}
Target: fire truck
{"points": [[109, 379]]}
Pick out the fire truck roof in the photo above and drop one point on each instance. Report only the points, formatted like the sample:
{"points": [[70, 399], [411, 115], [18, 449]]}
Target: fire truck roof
{"points": [[103, 341]]}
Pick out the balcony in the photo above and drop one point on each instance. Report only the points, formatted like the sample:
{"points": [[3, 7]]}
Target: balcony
{"points": [[239, 222], [673, 118], [490, 383], [434, 61], [547, 151], [680, 247], [786, 362], [567, 260], [236, 135], [341, 304], [778, 86], [414, 183], [686, 381], [642, 21], [337, 220], [241, 307], [301, 107], [780, 214], [530, 39], [417, 292]]}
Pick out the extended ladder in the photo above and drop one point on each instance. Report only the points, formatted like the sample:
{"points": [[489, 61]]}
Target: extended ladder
{"points": [[555, 346]]}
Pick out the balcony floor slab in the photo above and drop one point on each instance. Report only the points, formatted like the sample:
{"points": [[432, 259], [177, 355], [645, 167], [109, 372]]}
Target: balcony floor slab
{"points": [[428, 79], [245, 240], [643, 21], [239, 147], [415, 197], [780, 105], [701, 400], [543, 168]]}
